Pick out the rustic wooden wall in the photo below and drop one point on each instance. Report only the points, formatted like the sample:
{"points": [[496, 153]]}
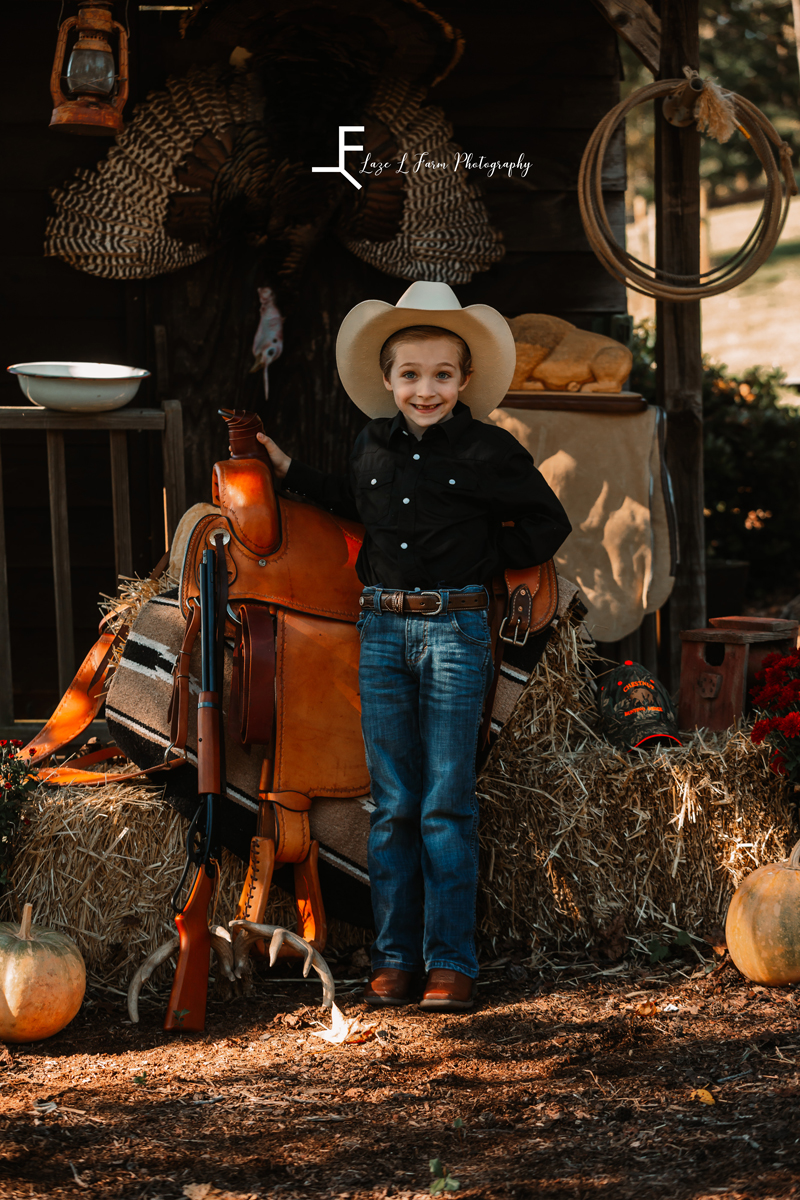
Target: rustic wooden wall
{"points": [[50, 312], [536, 80], [533, 80]]}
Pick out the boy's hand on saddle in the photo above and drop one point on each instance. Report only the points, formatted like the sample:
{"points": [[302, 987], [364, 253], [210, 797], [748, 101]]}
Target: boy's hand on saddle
{"points": [[280, 461]]}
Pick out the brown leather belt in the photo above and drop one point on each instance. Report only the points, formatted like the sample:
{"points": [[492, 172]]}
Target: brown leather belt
{"points": [[426, 604]]}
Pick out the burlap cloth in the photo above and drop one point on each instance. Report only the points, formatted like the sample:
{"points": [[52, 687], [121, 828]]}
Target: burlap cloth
{"points": [[607, 471]]}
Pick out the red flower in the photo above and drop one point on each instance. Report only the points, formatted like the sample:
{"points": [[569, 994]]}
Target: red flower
{"points": [[16, 742], [789, 725], [8, 785], [777, 692], [761, 729], [778, 764], [765, 695]]}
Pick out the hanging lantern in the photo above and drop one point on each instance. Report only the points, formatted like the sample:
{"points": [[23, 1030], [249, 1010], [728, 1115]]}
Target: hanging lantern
{"points": [[96, 93]]}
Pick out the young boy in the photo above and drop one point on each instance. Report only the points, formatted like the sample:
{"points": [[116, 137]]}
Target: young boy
{"points": [[435, 489]]}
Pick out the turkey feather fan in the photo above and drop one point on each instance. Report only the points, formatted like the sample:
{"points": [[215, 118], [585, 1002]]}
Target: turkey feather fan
{"points": [[195, 168]]}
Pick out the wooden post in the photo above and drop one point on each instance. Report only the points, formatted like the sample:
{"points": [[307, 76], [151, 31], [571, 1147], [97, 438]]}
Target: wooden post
{"points": [[121, 499], [62, 581], [174, 469], [6, 684], [678, 347]]}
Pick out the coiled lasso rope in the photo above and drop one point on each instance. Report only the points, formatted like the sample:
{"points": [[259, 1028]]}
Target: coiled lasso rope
{"points": [[719, 113]]}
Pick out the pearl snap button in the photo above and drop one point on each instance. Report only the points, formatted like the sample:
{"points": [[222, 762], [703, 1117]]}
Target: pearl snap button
{"points": [[404, 545], [406, 500], [375, 481], [452, 481], [416, 457]]}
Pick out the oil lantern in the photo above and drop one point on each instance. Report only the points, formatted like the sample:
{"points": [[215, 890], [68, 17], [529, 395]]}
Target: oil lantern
{"points": [[96, 93]]}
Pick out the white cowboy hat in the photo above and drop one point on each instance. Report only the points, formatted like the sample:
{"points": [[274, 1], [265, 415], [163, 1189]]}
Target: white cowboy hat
{"points": [[367, 326]]}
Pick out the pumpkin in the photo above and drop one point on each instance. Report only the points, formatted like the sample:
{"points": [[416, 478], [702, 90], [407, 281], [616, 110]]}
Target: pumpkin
{"points": [[763, 925], [42, 980]]}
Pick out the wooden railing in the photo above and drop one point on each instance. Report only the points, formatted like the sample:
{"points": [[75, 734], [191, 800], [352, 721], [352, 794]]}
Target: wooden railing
{"points": [[169, 421]]}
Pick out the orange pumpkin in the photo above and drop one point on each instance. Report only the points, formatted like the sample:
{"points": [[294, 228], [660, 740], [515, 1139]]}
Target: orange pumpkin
{"points": [[42, 980], [763, 925]]}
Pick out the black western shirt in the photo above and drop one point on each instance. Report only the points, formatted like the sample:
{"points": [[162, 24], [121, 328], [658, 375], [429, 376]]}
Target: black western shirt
{"points": [[435, 510]]}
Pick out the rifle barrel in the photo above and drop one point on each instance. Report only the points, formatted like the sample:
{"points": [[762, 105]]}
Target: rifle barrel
{"points": [[208, 620]]}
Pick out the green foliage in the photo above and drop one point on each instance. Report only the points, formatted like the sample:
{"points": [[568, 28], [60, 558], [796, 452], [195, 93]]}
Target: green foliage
{"points": [[643, 372], [752, 481], [657, 950], [443, 1181], [751, 463], [748, 47], [16, 780], [459, 1127]]}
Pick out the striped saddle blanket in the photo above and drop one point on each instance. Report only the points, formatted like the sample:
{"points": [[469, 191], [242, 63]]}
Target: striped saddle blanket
{"points": [[136, 711]]}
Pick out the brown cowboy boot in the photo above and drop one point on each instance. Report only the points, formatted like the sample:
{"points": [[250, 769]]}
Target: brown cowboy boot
{"points": [[389, 986], [448, 991]]}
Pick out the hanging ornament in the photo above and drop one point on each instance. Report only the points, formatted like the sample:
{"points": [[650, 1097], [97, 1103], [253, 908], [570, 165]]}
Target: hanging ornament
{"points": [[96, 92]]}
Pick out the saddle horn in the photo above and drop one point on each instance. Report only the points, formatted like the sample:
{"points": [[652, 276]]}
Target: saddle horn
{"points": [[242, 429]]}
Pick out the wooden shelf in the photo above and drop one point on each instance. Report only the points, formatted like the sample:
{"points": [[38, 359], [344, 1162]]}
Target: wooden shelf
{"points": [[168, 420], [731, 637], [589, 402], [19, 417]]}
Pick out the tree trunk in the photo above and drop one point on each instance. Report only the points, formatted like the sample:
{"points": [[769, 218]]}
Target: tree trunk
{"points": [[796, 14]]}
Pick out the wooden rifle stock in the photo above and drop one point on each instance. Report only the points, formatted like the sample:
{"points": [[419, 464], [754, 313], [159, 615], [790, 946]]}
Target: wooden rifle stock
{"points": [[186, 1011]]}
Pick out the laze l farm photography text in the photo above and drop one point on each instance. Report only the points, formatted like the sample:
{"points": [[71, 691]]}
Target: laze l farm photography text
{"points": [[464, 161]]}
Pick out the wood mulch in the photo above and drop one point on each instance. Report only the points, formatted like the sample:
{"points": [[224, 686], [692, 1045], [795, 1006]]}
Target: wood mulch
{"points": [[580, 1081]]}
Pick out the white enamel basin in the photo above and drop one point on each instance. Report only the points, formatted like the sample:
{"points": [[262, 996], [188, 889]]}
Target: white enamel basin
{"points": [[78, 387]]}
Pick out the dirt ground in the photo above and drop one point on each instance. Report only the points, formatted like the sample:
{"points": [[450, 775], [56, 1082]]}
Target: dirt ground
{"points": [[580, 1081]]}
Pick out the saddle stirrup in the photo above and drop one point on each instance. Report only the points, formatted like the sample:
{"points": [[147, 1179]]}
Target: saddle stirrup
{"points": [[284, 837], [312, 923], [255, 893]]}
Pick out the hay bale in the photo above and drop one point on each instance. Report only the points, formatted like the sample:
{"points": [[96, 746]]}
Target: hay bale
{"points": [[576, 834], [101, 864]]}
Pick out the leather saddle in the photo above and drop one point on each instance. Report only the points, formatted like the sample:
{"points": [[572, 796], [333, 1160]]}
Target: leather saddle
{"points": [[292, 608]]}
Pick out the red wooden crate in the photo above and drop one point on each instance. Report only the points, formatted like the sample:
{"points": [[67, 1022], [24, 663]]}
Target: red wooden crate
{"points": [[719, 665]]}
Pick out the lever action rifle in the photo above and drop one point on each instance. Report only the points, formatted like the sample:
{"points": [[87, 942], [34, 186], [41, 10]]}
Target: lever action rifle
{"points": [[187, 1002]]}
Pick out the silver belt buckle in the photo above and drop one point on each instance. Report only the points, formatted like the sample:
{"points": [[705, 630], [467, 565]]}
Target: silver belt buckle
{"points": [[437, 611], [513, 641]]}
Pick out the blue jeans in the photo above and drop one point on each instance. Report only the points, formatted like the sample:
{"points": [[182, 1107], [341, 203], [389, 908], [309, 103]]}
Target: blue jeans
{"points": [[422, 682]]}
